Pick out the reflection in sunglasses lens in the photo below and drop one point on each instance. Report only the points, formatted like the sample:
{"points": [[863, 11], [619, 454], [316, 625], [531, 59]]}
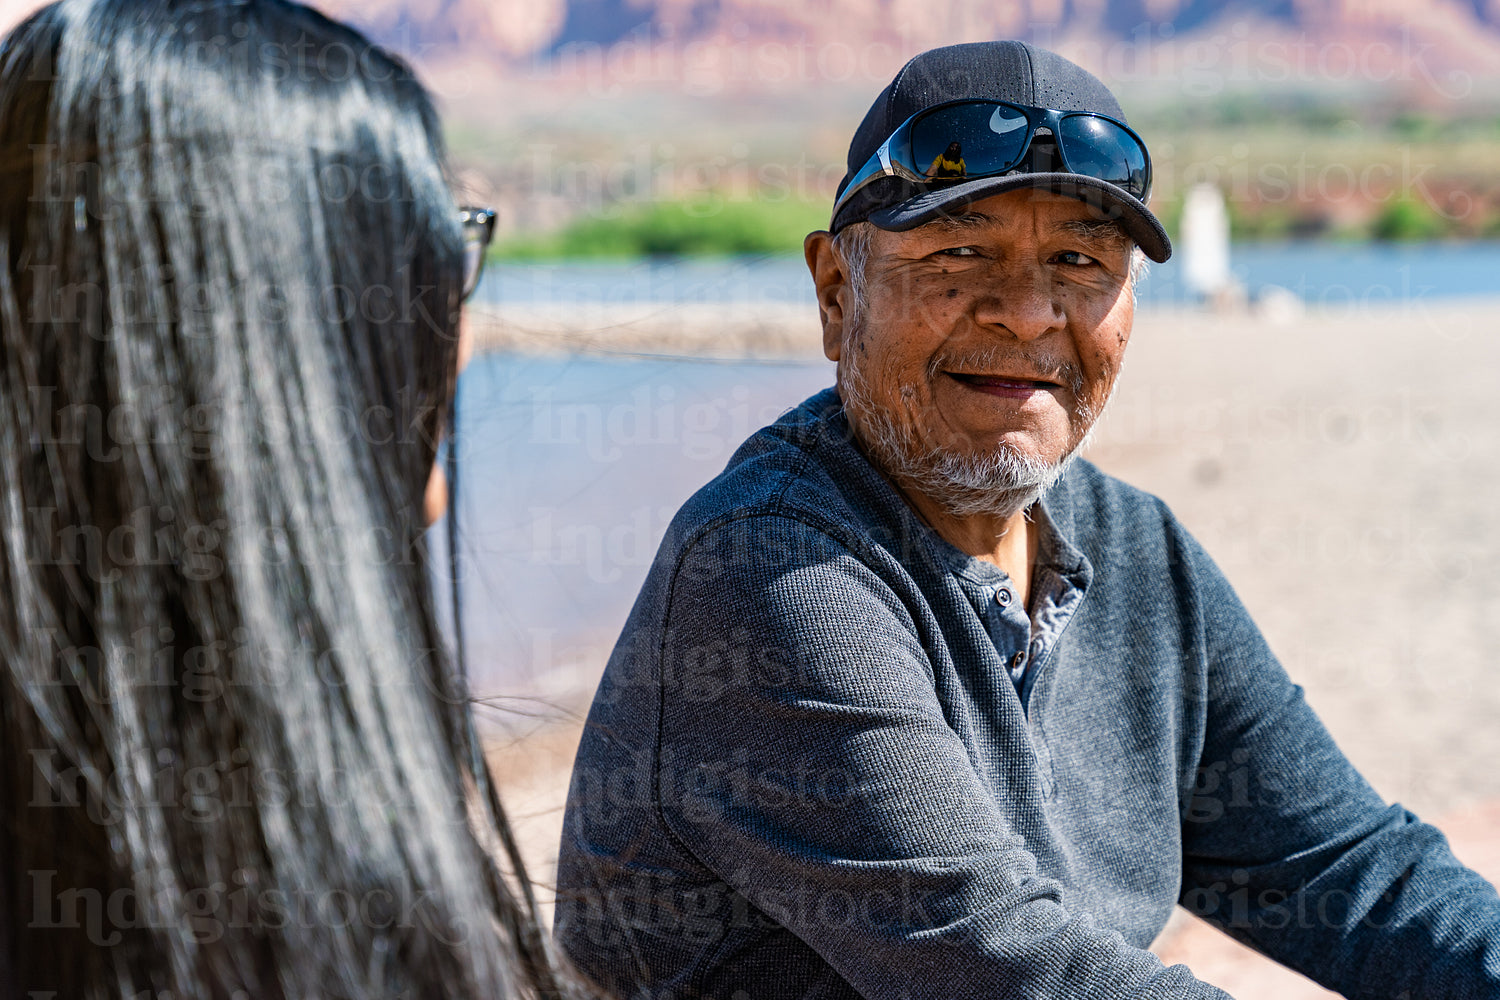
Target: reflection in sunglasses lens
{"points": [[968, 140], [1101, 149]]}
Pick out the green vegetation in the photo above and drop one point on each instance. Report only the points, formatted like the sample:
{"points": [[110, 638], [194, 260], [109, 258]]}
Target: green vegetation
{"points": [[706, 227], [1408, 219], [1274, 223], [712, 228]]}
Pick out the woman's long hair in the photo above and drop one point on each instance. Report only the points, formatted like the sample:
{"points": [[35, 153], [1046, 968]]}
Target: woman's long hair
{"points": [[235, 760]]}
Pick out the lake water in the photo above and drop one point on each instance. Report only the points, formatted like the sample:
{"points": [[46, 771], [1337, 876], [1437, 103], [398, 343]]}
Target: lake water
{"points": [[571, 469], [573, 466]]}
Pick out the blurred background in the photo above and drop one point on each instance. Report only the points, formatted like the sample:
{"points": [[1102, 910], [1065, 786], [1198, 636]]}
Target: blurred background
{"points": [[1312, 387]]}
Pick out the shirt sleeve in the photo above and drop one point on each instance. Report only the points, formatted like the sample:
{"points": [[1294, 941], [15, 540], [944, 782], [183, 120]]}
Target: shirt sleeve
{"points": [[805, 759], [1289, 850]]}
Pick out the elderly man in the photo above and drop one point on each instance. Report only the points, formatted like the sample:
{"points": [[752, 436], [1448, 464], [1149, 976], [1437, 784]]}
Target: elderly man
{"points": [[915, 704]]}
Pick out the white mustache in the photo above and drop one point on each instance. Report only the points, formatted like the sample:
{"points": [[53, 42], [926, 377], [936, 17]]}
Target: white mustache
{"points": [[1012, 363]]}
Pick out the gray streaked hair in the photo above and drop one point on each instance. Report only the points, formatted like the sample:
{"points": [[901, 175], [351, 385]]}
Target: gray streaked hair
{"points": [[852, 247]]}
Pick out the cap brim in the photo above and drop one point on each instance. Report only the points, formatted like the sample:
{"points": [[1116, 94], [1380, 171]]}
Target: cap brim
{"points": [[1109, 200]]}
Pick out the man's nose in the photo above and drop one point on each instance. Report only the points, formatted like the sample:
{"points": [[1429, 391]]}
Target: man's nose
{"points": [[1021, 300]]}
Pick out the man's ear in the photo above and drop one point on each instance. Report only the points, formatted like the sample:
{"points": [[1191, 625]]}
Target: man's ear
{"points": [[830, 282]]}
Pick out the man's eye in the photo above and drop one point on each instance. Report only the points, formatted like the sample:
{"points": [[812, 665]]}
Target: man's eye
{"points": [[1075, 258], [958, 251]]}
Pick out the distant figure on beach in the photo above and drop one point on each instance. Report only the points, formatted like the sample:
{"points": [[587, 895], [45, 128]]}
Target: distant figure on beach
{"points": [[949, 164], [236, 757], [916, 703]]}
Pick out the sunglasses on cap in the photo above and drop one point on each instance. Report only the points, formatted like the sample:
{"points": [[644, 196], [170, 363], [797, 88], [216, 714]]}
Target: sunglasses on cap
{"points": [[479, 230], [967, 140]]}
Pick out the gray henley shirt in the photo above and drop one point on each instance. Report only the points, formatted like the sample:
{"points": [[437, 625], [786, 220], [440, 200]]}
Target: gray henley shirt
{"points": [[808, 771]]}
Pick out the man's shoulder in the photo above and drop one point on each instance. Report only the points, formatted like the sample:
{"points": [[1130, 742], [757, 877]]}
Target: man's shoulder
{"points": [[1094, 497], [1108, 517], [803, 468]]}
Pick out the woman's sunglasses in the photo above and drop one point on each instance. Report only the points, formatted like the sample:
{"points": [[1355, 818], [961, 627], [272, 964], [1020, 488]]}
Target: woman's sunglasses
{"points": [[479, 230], [965, 140]]}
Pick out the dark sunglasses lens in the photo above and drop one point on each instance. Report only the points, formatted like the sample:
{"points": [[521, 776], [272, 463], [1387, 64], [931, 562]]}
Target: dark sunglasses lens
{"points": [[1099, 148], [473, 261], [968, 140]]}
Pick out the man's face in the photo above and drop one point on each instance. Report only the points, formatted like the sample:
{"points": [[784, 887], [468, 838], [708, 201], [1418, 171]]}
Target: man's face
{"points": [[997, 336]]}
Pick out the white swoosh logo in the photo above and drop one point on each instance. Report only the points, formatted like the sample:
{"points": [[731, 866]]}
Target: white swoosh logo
{"points": [[1000, 123]]}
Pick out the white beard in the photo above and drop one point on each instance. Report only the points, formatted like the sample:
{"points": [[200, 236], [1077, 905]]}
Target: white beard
{"points": [[1000, 482]]}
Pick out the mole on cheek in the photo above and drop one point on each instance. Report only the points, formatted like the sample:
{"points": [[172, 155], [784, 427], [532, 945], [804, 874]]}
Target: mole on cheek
{"points": [[952, 292]]}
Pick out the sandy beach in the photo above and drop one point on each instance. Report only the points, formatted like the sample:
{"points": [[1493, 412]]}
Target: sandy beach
{"points": [[1340, 465]]}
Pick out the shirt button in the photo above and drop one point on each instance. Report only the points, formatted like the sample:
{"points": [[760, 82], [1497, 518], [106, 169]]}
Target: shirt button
{"points": [[1003, 597], [1018, 661]]}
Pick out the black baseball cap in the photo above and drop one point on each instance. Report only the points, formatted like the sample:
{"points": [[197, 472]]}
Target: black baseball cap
{"points": [[1011, 71]]}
